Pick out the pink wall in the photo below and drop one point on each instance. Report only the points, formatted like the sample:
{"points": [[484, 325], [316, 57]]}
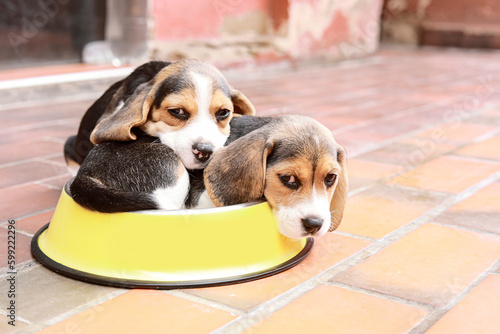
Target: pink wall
{"points": [[246, 31], [198, 19]]}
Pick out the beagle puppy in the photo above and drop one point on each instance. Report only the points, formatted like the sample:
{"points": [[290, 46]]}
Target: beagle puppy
{"points": [[291, 161], [143, 174], [186, 104]]}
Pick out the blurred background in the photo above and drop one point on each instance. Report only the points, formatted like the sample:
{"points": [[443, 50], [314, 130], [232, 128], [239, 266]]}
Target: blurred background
{"points": [[234, 32]]}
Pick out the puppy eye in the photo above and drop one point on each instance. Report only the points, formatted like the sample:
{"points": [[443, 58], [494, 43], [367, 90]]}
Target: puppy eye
{"points": [[330, 180], [222, 114], [178, 113], [289, 181]]}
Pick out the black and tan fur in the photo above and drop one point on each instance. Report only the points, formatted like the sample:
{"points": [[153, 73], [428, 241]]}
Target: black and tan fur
{"points": [[289, 161], [160, 99]]}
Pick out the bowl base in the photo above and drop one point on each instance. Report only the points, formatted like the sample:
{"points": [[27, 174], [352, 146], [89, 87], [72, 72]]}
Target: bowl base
{"points": [[120, 282]]}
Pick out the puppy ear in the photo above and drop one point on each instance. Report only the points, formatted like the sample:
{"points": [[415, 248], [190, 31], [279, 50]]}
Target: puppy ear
{"points": [[341, 191], [118, 125], [236, 173], [241, 103]]}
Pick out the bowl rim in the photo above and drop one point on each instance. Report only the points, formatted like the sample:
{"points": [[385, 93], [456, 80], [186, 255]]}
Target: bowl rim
{"points": [[179, 212]]}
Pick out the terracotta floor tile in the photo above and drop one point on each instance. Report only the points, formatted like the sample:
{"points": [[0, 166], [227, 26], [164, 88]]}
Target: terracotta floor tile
{"points": [[432, 264], [23, 250], [458, 133], [21, 151], [58, 181], [489, 149], [330, 110], [387, 108], [480, 211], [146, 311], [447, 174], [50, 113], [425, 118], [492, 112], [46, 294], [408, 152], [381, 131], [328, 310], [34, 223], [329, 122], [58, 158], [5, 328], [476, 313], [383, 209], [28, 172], [362, 173], [486, 119], [327, 251], [26, 200], [61, 131], [352, 146]]}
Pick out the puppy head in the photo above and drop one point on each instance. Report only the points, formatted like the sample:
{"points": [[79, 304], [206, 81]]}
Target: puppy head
{"points": [[295, 164], [188, 105]]}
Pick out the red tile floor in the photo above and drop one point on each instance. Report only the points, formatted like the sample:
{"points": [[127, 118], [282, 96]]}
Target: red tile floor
{"points": [[418, 250]]}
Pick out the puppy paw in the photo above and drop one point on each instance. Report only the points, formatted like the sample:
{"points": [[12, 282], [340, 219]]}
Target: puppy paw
{"points": [[204, 202], [173, 197]]}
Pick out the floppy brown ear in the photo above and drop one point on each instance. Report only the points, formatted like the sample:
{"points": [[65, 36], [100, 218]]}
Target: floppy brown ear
{"points": [[241, 103], [118, 125], [341, 191], [236, 173]]}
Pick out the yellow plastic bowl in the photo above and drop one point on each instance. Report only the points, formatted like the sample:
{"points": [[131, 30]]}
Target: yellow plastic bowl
{"points": [[176, 249]]}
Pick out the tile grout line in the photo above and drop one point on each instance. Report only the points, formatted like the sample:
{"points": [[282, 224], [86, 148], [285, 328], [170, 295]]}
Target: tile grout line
{"points": [[356, 236], [380, 295], [51, 162], [408, 134], [44, 103], [26, 265], [434, 316], [467, 228], [394, 116], [84, 307], [39, 125], [52, 178], [41, 183], [54, 140], [18, 318], [19, 232], [489, 161], [24, 161], [268, 308], [486, 136], [205, 301], [447, 203], [403, 171], [29, 215]]}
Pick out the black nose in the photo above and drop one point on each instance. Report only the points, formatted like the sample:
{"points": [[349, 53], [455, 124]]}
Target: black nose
{"points": [[312, 224], [202, 151]]}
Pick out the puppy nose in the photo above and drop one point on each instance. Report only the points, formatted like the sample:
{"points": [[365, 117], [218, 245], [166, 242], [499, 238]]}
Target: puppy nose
{"points": [[203, 151], [312, 224]]}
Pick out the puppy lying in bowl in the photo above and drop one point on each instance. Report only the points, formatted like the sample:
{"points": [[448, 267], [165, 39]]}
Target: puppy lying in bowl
{"points": [[186, 104], [291, 161]]}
